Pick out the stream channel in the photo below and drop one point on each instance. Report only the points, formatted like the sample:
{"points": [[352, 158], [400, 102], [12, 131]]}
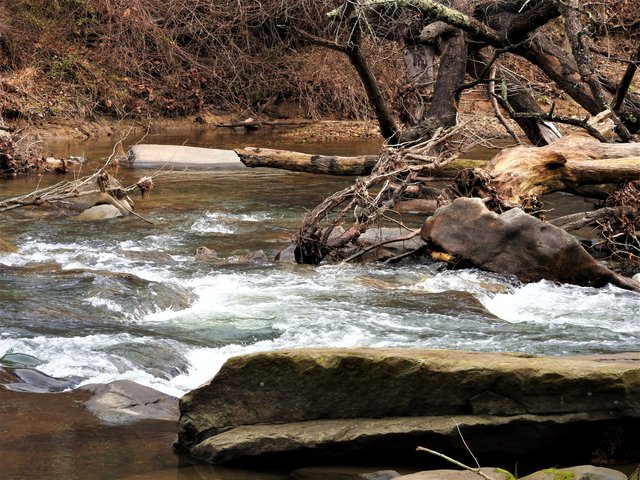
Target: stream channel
{"points": [[124, 299]]}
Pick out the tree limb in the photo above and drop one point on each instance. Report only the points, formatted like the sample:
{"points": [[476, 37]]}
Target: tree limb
{"points": [[625, 83], [576, 34]]}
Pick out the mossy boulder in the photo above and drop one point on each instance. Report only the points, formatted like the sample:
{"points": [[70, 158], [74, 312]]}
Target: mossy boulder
{"points": [[582, 472]]}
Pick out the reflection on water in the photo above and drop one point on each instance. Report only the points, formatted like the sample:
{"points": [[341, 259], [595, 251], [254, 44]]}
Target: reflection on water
{"points": [[126, 299]]}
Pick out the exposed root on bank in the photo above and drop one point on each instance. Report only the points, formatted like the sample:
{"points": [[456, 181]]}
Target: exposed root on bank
{"points": [[19, 158]]}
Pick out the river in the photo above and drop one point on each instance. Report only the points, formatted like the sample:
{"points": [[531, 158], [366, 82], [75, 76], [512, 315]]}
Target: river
{"points": [[125, 299]]}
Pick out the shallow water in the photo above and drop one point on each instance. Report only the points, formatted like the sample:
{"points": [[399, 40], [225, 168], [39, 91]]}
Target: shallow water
{"points": [[124, 299]]}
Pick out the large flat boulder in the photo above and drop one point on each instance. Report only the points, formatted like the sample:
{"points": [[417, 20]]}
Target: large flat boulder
{"points": [[182, 157], [292, 404], [515, 243]]}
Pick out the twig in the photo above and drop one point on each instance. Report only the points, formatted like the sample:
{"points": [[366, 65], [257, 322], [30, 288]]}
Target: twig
{"points": [[477, 471], [465, 443], [496, 109]]}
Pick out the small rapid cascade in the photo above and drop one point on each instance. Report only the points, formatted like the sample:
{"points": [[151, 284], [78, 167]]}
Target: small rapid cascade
{"points": [[96, 302]]}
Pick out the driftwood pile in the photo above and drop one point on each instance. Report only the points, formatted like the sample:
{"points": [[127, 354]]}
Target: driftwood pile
{"points": [[402, 180]]}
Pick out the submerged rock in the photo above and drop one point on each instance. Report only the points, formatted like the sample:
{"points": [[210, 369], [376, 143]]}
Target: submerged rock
{"points": [[516, 243], [99, 212], [124, 401], [19, 360], [205, 253], [342, 473], [292, 404], [6, 247], [253, 257], [34, 381]]}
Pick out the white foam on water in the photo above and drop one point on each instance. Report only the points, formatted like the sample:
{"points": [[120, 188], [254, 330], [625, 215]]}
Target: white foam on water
{"points": [[238, 296], [86, 357], [206, 362], [548, 303], [225, 222], [473, 281], [304, 307], [87, 256], [104, 302]]}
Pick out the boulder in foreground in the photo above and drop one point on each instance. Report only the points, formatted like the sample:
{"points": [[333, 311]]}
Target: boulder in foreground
{"points": [[295, 405]]}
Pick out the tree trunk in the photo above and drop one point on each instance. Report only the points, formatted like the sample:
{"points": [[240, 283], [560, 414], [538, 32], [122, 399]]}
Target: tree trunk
{"points": [[443, 111], [568, 164], [388, 127], [304, 162], [334, 165]]}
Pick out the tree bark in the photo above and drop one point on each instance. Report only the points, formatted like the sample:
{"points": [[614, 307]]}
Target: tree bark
{"points": [[335, 165], [443, 111], [568, 164], [303, 162], [388, 127], [575, 34]]}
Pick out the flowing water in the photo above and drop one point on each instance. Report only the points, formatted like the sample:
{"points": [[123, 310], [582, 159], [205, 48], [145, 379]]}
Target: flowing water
{"points": [[125, 299]]}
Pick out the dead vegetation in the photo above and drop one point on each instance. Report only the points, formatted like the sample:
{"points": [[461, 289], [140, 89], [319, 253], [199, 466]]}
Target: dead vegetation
{"points": [[141, 57], [621, 233]]}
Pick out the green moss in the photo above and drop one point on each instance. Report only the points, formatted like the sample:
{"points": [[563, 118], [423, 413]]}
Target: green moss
{"points": [[558, 475], [507, 473]]}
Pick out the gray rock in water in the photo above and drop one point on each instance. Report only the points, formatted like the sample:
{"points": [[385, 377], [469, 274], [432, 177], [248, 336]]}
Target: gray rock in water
{"points": [[99, 212], [37, 382], [20, 360], [582, 472], [455, 475], [287, 255], [342, 473], [124, 401], [183, 157]]}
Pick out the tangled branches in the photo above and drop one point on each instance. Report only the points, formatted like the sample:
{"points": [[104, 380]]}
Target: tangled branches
{"points": [[369, 199], [621, 232]]}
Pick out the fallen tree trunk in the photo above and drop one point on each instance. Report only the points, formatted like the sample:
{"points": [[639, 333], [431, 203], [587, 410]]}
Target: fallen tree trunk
{"points": [[335, 165], [304, 162], [575, 221], [568, 164]]}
